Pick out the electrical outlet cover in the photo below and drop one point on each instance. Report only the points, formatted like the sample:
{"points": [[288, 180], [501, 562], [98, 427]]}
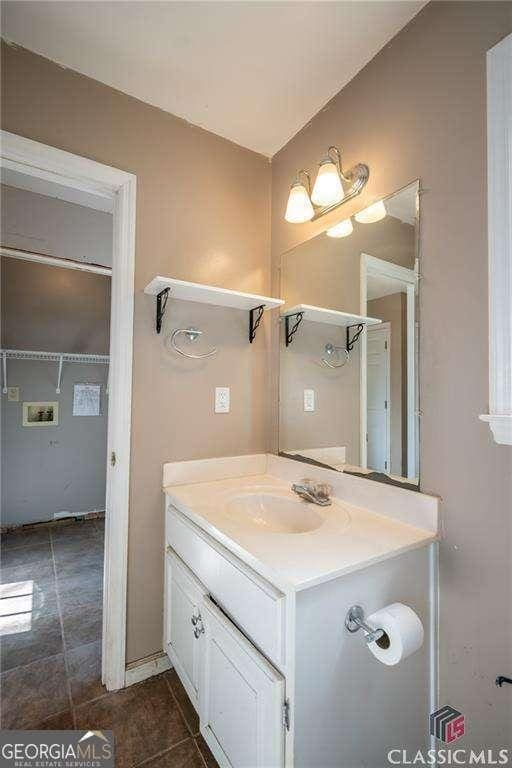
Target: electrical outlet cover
{"points": [[309, 399], [222, 399], [13, 394]]}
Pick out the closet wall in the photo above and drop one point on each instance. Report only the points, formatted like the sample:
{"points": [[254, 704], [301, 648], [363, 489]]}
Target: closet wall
{"points": [[33, 222], [51, 469]]}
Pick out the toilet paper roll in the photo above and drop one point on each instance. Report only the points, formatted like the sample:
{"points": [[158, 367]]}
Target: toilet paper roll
{"points": [[404, 633]]}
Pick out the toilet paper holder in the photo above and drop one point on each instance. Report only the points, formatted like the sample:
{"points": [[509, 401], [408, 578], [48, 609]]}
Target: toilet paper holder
{"points": [[354, 621]]}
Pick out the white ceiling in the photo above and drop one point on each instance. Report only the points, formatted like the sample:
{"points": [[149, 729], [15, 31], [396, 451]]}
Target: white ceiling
{"points": [[253, 72]]}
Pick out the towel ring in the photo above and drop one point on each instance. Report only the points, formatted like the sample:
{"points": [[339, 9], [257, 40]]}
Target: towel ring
{"points": [[192, 334], [331, 351]]}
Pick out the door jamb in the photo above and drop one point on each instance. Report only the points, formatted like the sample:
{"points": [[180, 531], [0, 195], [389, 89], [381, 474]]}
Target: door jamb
{"points": [[45, 162], [385, 328]]}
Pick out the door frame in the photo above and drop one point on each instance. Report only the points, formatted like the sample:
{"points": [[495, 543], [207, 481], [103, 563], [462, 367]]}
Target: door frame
{"points": [[384, 328], [371, 265], [80, 173]]}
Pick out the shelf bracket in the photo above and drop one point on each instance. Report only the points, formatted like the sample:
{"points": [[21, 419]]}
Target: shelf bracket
{"points": [[291, 330], [4, 368], [355, 337], [59, 376], [161, 304], [254, 321]]}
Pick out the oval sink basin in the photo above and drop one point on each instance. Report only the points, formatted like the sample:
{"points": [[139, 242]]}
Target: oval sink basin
{"points": [[274, 512]]}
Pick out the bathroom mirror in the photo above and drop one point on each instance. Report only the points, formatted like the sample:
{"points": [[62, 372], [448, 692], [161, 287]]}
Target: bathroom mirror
{"points": [[349, 344]]}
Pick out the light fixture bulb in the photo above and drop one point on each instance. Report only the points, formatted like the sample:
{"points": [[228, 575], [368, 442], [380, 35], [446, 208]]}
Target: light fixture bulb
{"points": [[373, 213], [299, 208], [343, 229], [328, 189]]}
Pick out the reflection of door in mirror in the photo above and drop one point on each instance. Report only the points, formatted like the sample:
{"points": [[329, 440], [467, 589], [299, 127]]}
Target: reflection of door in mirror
{"points": [[388, 292], [348, 352], [378, 386]]}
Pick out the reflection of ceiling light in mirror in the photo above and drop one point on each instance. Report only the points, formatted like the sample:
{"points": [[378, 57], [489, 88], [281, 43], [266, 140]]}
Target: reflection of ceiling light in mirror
{"points": [[343, 229], [327, 189], [373, 213], [299, 208]]}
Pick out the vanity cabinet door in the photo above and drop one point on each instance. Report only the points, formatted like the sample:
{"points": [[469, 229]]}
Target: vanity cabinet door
{"points": [[184, 623], [241, 698]]}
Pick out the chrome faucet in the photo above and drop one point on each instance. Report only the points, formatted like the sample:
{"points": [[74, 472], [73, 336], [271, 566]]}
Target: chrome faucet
{"points": [[314, 491]]}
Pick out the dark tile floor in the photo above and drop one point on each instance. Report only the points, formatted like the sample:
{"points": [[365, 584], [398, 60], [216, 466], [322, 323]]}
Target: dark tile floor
{"points": [[51, 582]]}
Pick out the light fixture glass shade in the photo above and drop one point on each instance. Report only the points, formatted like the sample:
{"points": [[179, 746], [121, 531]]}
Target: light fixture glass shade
{"points": [[328, 189], [299, 208], [343, 229], [373, 213]]}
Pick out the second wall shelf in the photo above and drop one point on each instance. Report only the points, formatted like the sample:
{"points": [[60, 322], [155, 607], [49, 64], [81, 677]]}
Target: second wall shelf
{"points": [[346, 320]]}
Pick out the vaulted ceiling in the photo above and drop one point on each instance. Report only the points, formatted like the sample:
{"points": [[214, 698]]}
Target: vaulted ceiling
{"points": [[253, 72]]}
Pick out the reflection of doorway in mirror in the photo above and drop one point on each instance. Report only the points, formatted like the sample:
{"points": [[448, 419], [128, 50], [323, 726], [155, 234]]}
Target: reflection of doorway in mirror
{"points": [[378, 435], [384, 281]]}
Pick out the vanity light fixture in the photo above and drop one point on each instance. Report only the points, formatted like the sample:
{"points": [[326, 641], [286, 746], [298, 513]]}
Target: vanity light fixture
{"points": [[299, 208], [373, 213], [328, 192], [343, 229], [328, 189]]}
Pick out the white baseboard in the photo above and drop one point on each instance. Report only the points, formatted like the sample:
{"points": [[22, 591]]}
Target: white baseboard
{"points": [[138, 671]]}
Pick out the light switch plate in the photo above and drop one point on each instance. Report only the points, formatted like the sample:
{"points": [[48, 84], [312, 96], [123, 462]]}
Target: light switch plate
{"points": [[13, 394], [222, 399], [309, 399]]}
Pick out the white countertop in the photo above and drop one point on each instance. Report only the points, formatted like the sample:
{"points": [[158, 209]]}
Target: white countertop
{"points": [[349, 538]]}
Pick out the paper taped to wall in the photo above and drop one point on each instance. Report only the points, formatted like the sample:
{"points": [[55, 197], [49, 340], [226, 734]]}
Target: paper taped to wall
{"points": [[86, 399]]}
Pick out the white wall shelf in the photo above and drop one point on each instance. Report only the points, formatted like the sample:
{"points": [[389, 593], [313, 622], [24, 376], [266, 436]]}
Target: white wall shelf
{"points": [[329, 316], [52, 357], [346, 320], [165, 287]]}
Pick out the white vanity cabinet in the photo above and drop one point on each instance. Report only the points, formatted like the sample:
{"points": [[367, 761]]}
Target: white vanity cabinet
{"points": [[184, 628], [238, 693], [276, 678], [240, 697]]}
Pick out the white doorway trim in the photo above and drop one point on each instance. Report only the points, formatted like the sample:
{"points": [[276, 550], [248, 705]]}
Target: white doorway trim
{"points": [[385, 330], [44, 162], [499, 226], [371, 265]]}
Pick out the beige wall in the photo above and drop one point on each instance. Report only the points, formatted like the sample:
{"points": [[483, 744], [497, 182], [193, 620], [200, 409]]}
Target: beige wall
{"points": [[203, 215], [418, 110]]}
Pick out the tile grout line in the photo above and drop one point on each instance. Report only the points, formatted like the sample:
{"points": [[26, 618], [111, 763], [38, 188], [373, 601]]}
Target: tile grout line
{"points": [[163, 752], [179, 707], [59, 610], [192, 735]]}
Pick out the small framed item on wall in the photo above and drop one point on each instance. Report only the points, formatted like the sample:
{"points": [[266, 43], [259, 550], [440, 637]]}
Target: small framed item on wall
{"points": [[40, 414]]}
